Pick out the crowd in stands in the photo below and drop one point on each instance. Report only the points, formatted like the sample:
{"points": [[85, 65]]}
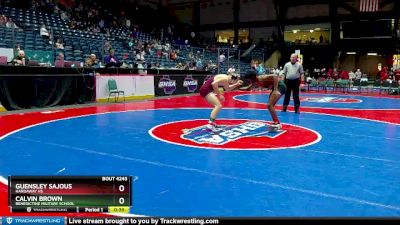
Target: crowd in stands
{"points": [[7, 22], [385, 74], [88, 15]]}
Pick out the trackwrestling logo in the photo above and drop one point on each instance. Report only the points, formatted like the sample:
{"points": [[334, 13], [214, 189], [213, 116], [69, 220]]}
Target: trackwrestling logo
{"points": [[168, 85], [228, 134], [234, 134], [330, 100]]}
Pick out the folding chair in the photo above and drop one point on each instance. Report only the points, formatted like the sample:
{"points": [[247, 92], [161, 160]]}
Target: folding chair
{"points": [[113, 90]]}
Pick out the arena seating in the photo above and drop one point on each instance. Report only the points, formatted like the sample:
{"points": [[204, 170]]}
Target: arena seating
{"points": [[79, 44]]}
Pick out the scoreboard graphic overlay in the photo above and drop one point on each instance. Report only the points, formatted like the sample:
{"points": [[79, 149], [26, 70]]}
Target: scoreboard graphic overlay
{"points": [[95, 194]]}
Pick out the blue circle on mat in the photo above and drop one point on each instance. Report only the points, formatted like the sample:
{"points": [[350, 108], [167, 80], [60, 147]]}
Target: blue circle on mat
{"points": [[367, 102]]}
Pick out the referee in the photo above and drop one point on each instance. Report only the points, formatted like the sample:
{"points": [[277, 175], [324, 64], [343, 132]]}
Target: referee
{"points": [[294, 73]]}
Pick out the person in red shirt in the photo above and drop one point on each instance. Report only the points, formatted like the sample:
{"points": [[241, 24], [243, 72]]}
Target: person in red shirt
{"points": [[329, 73], [335, 74], [384, 74], [345, 75], [397, 75]]}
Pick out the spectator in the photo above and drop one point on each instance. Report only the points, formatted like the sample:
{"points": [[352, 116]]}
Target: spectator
{"points": [[358, 74], [344, 75], [107, 46], [21, 59], [44, 32], [56, 10], [335, 74], [231, 70], [167, 47], [64, 16], [211, 66], [158, 49], [60, 62], [95, 29], [11, 24], [157, 66], [391, 74], [397, 75], [131, 43], [35, 5], [173, 55], [316, 73], [91, 62], [101, 24], [190, 56], [384, 74], [199, 64], [134, 33], [148, 49], [140, 56], [221, 59], [112, 60], [323, 73], [3, 20], [352, 75], [59, 44]]}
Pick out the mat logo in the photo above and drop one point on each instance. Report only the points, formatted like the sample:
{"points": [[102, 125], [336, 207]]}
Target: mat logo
{"points": [[9, 220], [228, 134], [234, 134], [167, 84], [330, 100], [190, 83]]}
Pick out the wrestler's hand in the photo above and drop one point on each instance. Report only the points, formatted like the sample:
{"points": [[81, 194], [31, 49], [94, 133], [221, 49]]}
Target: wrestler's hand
{"points": [[240, 83]]}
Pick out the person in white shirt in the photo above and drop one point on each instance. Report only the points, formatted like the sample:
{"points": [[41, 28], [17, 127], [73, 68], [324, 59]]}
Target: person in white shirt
{"points": [[140, 56], [358, 74], [44, 32], [231, 70], [352, 75], [221, 59], [167, 47], [294, 74], [11, 24]]}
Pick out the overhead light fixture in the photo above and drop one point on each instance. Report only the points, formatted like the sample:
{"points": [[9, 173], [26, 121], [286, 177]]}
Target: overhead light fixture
{"points": [[317, 28], [311, 31], [351, 53], [295, 31], [372, 54]]}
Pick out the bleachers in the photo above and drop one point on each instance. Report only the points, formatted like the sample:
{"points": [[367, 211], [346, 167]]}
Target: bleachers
{"points": [[79, 44]]}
